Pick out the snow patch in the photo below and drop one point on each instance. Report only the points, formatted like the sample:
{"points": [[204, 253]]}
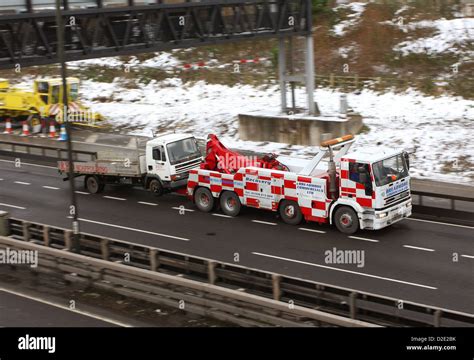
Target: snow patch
{"points": [[357, 8], [438, 130], [451, 36]]}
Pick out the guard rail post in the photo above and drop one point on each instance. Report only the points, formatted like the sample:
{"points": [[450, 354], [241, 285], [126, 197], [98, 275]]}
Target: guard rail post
{"points": [[353, 304], [104, 249], [211, 272], [46, 237], [437, 318], [68, 240], [26, 231], [154, 263], [276, 280]]}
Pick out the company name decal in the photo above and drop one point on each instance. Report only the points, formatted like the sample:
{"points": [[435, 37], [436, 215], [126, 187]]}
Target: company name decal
{"points": [[309, 189], [398, 188]]}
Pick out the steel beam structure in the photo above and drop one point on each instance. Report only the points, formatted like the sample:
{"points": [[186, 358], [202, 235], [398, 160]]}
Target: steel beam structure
{"points": [[30, 38]]}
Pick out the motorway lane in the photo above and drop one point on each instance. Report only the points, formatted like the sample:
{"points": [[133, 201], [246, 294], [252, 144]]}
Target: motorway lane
{"points": [[21, 310], [391, 268]]}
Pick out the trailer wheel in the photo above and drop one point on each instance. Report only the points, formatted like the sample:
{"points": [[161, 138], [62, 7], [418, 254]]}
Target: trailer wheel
{"points": [[346, 220], [156, 187], [93, 184], [230, 203], [290, 212], [204, 199]]}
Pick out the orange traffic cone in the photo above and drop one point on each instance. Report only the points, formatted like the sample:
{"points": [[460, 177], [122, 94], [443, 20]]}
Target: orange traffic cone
{"points": [[8, 127], [26, 129], [52, 130]]}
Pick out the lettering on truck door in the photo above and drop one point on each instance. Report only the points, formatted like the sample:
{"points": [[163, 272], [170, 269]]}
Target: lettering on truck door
{"points": [[258, 190]]}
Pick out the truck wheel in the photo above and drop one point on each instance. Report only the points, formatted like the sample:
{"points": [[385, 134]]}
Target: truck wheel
{"points": [[156, 187], [346, 220], [93, 184], [204, 199], [230, 203], [290, 212]]}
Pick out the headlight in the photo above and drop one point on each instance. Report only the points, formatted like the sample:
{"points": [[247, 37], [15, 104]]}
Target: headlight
{"points": [[381, 215]]}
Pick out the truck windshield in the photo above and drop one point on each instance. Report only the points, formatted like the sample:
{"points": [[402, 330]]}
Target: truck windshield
{"points": [[390, 170], [183, 150]]}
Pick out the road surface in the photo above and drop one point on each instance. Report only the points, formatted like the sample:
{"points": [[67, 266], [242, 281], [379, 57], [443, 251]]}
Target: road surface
{"points": [[412, 260]]}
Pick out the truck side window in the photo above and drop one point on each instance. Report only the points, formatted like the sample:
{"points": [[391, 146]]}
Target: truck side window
{"points": [[55, 95], [355, 171], [163, 154], [159, 153], [43, 87], [156, 154]]}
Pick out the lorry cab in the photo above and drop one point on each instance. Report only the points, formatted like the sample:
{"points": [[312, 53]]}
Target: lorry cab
{"points": [[170, 157], [379, 182]]}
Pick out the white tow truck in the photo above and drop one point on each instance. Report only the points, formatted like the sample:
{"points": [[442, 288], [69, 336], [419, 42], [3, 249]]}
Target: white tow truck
{"points": [[160, 164], [363, 189]]}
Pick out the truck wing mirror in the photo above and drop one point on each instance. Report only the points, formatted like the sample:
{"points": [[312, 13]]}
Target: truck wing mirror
{"points": [[407, 159]]}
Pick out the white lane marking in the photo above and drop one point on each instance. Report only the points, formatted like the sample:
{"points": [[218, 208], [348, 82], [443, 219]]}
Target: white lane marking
{"points": [[468, 256], [22, 183], [364, 239], [29, 164], [81, 192], [13, 206], [147, 203], [133, 229], [442, 223], [51, 187], [64, 307], [114, 198], [221, 215], [313, 230], [182, 208], [1, 179], [264, 222], [418, 248], [346, 271]]}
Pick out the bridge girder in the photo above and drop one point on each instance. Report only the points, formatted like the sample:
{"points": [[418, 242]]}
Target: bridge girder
{"points": [[28, 39]]}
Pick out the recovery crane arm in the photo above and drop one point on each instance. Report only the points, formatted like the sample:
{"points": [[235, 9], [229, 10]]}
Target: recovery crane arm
{"points": [[219, 158]]}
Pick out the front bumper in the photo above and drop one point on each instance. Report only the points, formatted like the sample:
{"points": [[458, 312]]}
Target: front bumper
{"points": [[380, 219]]}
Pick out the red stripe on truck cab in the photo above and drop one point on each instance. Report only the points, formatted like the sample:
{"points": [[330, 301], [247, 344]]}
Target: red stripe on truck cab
{"points": [[364, 202]]}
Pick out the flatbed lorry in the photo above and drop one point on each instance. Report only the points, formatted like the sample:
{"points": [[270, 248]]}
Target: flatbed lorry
{"points": [[159, 165]]}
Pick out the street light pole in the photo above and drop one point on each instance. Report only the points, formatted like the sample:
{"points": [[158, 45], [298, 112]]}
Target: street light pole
{"points": [[73, 211]]}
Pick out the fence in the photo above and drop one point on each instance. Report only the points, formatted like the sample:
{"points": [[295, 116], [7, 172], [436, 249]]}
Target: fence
{"points": [[130, 266]]}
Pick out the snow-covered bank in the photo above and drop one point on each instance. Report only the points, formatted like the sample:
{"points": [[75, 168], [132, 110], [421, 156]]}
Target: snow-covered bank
{"points": [[438, 130]]}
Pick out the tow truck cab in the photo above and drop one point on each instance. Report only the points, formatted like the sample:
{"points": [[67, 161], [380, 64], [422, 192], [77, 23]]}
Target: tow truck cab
{"points": [[170, 157], [379, 182]]}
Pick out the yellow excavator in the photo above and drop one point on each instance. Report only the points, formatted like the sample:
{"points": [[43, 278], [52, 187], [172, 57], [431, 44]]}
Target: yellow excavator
{"points": [[45, 101]]}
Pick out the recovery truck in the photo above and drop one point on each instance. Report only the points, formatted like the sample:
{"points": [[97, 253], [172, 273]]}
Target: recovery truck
{"points": [[364, 189], [159, 165]]}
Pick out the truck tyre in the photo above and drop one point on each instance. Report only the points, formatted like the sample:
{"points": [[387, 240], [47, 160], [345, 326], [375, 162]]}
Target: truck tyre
{"points": [[93, 184], [230, 203], [204, 199], [156, 187], [346, 220], [290, 212]]}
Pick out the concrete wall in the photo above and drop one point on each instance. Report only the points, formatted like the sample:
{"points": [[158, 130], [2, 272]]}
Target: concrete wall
{"points": [[297, 130]]}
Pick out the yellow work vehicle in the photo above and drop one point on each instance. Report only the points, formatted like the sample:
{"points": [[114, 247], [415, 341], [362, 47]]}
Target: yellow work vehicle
{"points": [[45, 101]]}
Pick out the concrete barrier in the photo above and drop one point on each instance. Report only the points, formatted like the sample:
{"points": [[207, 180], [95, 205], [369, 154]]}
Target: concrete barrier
{"points": [[297, 129]]}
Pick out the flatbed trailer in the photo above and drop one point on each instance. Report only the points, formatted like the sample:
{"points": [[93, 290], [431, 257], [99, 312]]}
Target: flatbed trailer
{"points": [[159, 165]]}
